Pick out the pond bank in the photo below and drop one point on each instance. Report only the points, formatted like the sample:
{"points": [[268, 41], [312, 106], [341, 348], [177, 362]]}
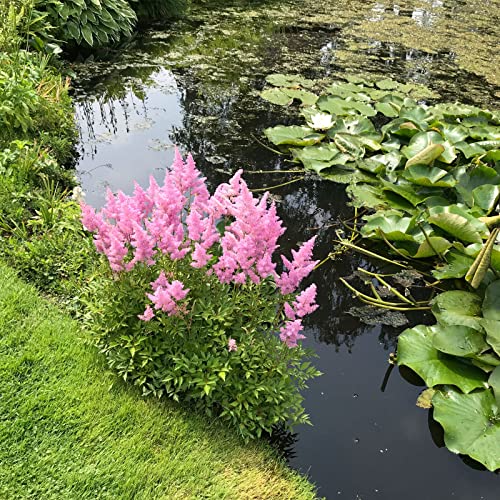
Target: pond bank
{"points": [[66, 434]]}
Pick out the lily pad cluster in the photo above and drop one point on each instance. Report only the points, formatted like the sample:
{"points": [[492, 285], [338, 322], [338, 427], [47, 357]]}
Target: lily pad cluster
{"points": [[459, 359], [430, 177]]}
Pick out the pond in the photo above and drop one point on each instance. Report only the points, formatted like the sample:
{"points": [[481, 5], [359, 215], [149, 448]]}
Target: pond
{"points": [[195, 84]]}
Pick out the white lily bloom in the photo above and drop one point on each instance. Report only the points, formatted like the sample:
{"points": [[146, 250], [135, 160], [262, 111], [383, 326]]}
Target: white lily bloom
{"points": [[321, 121]]}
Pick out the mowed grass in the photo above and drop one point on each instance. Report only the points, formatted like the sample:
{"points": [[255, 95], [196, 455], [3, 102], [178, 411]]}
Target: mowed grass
{"points": [[64, 434]]}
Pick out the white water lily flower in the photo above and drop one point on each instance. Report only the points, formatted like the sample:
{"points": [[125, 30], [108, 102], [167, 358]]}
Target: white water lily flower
{"points": [[320, 121]]}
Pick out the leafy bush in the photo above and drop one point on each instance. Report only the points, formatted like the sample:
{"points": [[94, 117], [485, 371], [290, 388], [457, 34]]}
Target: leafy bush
{"points": [[157, 10], [89, 23], [34, 104], [205, 331]]}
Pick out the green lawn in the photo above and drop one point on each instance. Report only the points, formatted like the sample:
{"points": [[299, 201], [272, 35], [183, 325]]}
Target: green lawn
{"points": [[65, 434]]}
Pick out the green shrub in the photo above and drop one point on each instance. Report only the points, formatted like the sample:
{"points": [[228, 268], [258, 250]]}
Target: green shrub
{"points": [[223, 333], [158, 10], [51, 250], [90, 23], [35, 104]]}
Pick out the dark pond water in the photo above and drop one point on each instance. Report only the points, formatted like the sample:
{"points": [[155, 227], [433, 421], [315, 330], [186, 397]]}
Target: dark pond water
{"points": [[193, 84]]}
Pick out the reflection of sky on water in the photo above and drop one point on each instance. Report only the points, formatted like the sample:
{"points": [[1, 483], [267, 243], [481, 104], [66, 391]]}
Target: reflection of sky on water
{"points": [[127, 139], [365, 443]]}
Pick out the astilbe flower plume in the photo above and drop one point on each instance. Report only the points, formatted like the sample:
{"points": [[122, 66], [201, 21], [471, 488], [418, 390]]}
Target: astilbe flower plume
{"points": [[179, 220]]}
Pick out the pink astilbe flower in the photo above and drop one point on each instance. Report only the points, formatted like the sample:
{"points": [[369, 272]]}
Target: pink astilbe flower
{"points": [[250, 240], [300, 266], [289, 333], [305, 303], [147, 315], [166, 296], [231, 345]]}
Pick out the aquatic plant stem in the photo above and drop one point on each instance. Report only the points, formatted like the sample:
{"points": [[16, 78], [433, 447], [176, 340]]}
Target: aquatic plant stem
{"points": [[277, 185], [371, 254]]}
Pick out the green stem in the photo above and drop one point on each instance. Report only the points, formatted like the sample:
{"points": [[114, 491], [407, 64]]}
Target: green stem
{"points": [[371, 254], [277, 185]]}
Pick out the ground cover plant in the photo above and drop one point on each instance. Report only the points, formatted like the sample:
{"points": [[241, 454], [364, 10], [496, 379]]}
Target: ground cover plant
{"points": [[430, 177], [191, 305], [66, 434]]}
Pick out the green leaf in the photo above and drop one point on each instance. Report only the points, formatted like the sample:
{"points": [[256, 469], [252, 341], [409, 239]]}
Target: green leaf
{"points": [[276, 96], [486, 196], [430, 246], [456, 267], [365, 195], [416, 351], [471, 424], [307, 98], [394, 227], [457, 307], [494, 382], [458, 340], [294, 135], [454, 133], [456, 225], [321, 152], [492, 328], [279, 80], [428, 176], [344, 107], [491, 303], [387, 84], [87, 34], [424, 146]]}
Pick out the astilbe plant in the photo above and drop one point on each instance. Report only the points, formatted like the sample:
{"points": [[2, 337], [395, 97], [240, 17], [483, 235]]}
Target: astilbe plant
{"points": [[190, 303]]}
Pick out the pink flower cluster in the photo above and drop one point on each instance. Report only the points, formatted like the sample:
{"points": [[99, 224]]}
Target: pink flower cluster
{"points": [[179, 219], [304, 304]]}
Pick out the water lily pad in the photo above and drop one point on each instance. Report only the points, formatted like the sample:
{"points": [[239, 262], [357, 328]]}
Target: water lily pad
{"points": [[319, 152], [433, 245], [387, 84], [306, 97], [456, 267], [393, 227], [276, 96], [406, 191], [459, 308], [344, 107], [458, 340], [494, 382], [454, 133], [416, 351], [429, 176], [491, 303], [492, 328], [403, 127], [291, 81], [294, 135], [366, 195], [345, 175], [424, 146], [486, 196], [469, 149], [456, 225], [471, 424]]}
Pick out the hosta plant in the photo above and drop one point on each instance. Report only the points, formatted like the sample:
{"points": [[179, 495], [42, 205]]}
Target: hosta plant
{"points": [[89, 23], [190, 304]]}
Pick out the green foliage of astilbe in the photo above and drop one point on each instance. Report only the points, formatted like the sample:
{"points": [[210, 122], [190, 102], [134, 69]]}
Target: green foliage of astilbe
{"points": [[158, 10], [35, 104], [186, 357], [90, 23]]}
